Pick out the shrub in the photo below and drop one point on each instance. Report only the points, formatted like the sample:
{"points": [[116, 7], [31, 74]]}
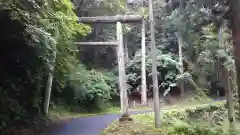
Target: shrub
{"points": [[207, 120]]}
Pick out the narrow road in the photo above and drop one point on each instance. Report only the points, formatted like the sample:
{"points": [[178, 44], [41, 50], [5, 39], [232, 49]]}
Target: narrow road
{"points": [[92, 125]]}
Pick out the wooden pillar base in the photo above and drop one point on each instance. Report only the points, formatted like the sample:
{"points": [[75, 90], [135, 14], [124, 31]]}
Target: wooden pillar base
{"points": [[125, 117]]}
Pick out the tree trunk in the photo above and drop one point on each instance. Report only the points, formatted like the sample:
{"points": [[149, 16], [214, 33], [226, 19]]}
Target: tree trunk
{"points": [[235, 19], [221, 70], [38, 89], [126, 48], [180, 44], [226, 80], [143, 67], [230, 104], [154, 67], [234, 85], [218, 73], [49, 82]]}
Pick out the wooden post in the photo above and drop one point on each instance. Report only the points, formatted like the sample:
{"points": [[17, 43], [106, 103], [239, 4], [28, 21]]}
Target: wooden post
{"points": [[154, 67], [180, 44], [121, 68], [143, 67]]}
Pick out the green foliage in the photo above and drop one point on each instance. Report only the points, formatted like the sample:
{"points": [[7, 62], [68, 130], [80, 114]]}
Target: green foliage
{"points": [[184, 128], [199, 25], [167, 70], [169, 73], [46, 27], [87, 90], [207, 120], [37, 29]]}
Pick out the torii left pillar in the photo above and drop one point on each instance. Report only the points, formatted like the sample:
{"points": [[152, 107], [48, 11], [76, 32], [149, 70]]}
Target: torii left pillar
{"points": [[121, 69]]}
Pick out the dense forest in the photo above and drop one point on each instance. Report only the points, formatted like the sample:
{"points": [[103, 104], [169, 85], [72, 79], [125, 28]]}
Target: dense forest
{"points": [[39, 59]]}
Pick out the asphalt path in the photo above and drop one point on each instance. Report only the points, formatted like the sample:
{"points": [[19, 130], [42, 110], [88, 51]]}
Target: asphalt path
{"points": [[91, 125]]}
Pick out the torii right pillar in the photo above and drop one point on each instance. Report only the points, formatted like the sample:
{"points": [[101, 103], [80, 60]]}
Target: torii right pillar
{"points": [[143, 66]]}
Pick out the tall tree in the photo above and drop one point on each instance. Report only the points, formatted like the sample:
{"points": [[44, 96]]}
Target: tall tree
{"points": [[230, 104], [49, 81], [180, 55], [234, 6], [227, 79], [154, 66]]}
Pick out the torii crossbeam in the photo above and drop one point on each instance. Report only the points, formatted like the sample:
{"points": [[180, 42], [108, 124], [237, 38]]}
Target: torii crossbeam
{"points": [[112, 19]]}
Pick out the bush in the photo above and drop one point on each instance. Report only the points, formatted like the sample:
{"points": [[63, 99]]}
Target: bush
{"points": [[207, 120], [87, 90]]}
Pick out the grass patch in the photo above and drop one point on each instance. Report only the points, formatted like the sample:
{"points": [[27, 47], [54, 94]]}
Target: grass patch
{"points": [[63, 112], [191, 121], [186, 101]]}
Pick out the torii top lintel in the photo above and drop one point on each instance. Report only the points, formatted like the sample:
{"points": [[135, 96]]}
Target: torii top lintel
{"points": [[112, 19]]}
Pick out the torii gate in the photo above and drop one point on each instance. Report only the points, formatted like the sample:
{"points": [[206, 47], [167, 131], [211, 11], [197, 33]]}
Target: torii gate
{"points": [[119, 19]]}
